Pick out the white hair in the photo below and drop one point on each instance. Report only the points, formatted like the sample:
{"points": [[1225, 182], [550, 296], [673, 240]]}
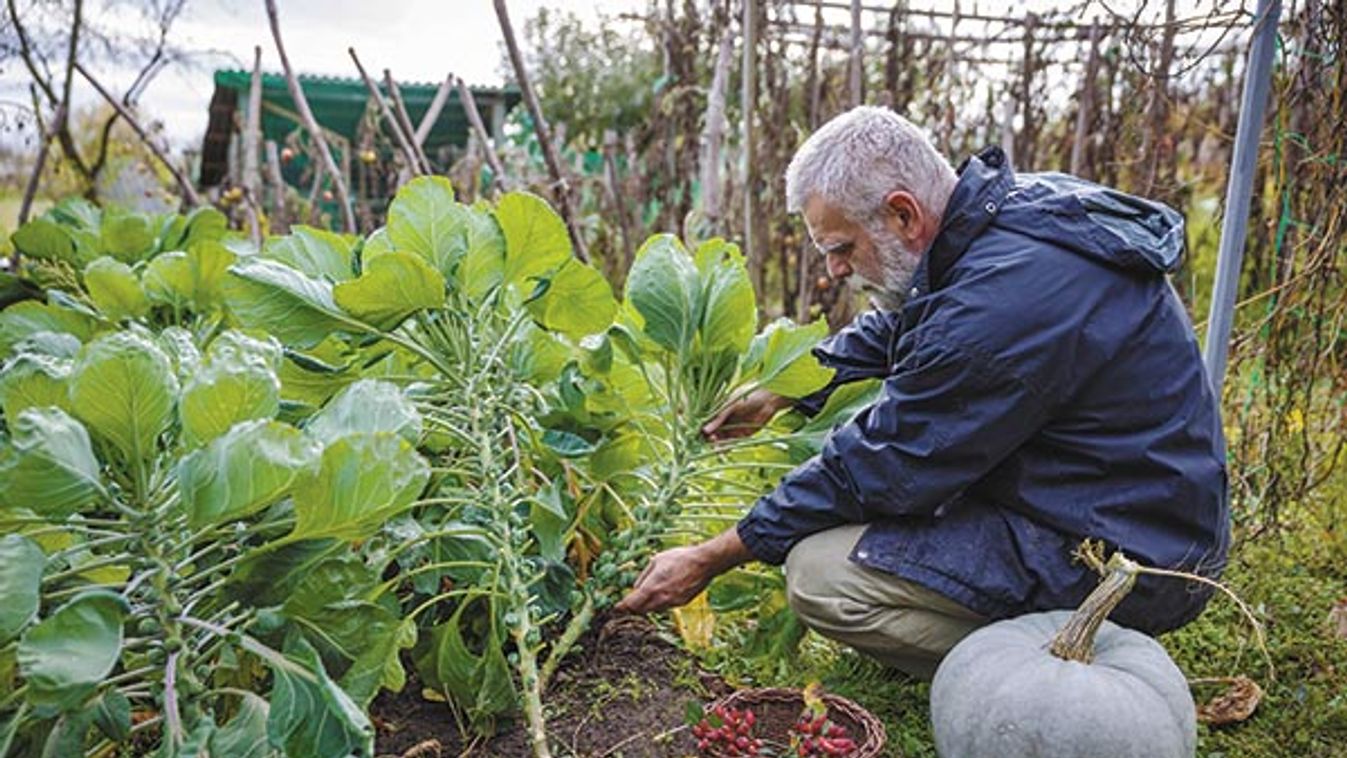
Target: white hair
{"points": [[855, 160]]}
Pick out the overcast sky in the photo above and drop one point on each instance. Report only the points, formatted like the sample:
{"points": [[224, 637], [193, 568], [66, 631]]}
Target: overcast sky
{"points": [[419, 40]]}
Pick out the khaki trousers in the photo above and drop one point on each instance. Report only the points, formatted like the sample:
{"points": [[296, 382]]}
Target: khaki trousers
{"points": [[901, 623]]}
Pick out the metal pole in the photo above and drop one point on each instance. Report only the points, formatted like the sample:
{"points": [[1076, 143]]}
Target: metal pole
{"points": [[1257, 82]]}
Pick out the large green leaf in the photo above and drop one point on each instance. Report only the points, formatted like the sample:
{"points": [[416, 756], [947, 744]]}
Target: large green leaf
{"points": [[127, 236], [391, 288], [244, 735], [536, 241], [44, 239], [366, 407], [314, 252], [376, 244], [664, 288], [28, 318], [576, 300], [49, 465], [268, 575], [21, 564], [310, 715], [297, 309], [363, 480], [223, 394], [483, 266], [66, 655], [167, 279], [252, 466], [729, 308], [780, 358], [33, 380], [123, 388], [311, 377], [424, 219], [114, 288]]}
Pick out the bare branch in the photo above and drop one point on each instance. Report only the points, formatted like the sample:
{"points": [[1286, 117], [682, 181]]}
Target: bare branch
{"points": [[188, 191], [408, 153], [433, 112], [404, 121], [475, 119], [311, 123]]}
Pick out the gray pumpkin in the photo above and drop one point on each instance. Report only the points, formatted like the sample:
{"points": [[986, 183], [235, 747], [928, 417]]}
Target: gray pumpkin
{"points": [[1018, 689]]}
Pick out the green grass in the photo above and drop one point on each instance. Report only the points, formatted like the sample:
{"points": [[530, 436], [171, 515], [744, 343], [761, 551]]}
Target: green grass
{"points": [[1291, 577]]}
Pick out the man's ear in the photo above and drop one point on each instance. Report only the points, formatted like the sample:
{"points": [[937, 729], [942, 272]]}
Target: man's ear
{"points": [[905, 217]]}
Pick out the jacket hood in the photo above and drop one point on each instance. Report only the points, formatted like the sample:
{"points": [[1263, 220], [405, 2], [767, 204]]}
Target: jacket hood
{"points": [[1106, 225]]}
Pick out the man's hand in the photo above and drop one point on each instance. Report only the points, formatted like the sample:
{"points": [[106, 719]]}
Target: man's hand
{"points": [[675, 576], [744, 416]]}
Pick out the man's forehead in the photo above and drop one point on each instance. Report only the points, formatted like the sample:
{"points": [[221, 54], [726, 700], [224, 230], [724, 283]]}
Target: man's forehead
{"points": [[825, 220]]}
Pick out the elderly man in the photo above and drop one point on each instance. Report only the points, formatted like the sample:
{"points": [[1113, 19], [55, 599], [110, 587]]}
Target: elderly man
{"points": [[1041, 385]]}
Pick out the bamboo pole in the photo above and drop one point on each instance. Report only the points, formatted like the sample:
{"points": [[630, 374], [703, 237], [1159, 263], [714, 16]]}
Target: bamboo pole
{"points": [[311, 123], [749, 106], [469, 103], [432, 113], [188, 191], [404, 121], [279, 222], [713, 134], [408, 153], [540, 127], [1085, 104], [856, 71], [251, 134]]}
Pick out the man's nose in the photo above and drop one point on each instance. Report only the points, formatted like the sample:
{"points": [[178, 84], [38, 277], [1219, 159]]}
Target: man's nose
{"points": [[838, 267]]}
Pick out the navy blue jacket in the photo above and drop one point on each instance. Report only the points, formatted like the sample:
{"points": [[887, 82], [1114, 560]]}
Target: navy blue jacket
{"points": [[1042, 384]]}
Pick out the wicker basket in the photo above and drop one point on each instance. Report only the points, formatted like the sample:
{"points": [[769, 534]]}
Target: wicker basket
{"points": [[777, 709]]}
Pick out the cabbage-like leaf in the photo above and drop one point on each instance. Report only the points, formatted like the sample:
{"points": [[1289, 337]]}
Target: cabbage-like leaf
{"points": [[191, 280], [114, 288], [376, 244], [46, 240], [33, 380], [68, 654], [363, 480], [21, 564], [314, 252], [425, 220], [49, 465], [123, 388], [391, 288], [128, 237], [664, 288], [366, 407], [245, 734], [310, 715], [483, 267], [297, 309], [225, 393], [247, 469], [26, 319], [781, 358], [536, 241], [576, 301], [729, 309]]}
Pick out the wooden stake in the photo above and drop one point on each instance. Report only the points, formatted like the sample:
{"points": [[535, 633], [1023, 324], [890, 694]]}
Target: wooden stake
{"points": [[1085, 104], [311, 123], [252, 132], [188, 191], [469, 104], [540, 127], [713, 135], [279, 222], [408, 152], [433, 112], [749, 106], [404, 121], [857, 63], [610, 183]]}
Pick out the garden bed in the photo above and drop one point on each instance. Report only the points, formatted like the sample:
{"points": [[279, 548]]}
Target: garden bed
{"points": [[624, 694]]}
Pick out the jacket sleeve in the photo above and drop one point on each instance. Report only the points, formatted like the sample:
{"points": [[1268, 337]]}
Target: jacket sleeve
{"points": [[860, 350], [944, 419]]}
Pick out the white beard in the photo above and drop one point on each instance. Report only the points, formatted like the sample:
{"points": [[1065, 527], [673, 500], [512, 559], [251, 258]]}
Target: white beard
{"points": [[897, 265]]}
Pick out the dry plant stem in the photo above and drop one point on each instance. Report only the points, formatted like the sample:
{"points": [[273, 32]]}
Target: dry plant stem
{"points": [[279, 223], [188, 191], [30, 191], [311, 123], [251, 136], [404, 122], [713, 134], [1075, 640], [432, 113], [407, 152], [544, 134], [479, 128]]}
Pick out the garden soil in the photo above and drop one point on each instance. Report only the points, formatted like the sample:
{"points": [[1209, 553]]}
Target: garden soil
{"points": [[624, 695]]}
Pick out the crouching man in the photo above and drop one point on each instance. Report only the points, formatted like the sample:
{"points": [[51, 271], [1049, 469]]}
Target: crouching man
{"points": [[1041, 385]]}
